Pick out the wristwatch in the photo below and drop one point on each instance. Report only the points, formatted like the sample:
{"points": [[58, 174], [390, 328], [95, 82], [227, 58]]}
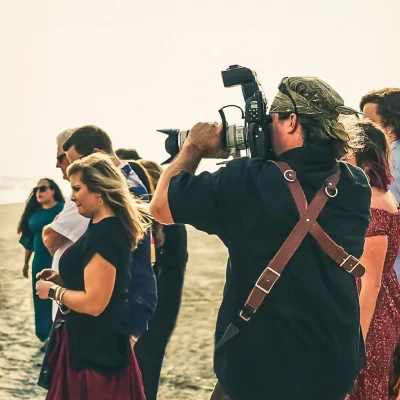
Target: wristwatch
{"points": [[52, 292]]}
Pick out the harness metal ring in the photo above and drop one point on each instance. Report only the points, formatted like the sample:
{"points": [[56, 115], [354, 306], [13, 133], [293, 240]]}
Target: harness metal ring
{"points": [[331, 195], [289, 175]]}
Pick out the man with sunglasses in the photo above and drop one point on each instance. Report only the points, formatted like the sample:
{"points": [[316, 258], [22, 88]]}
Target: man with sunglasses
{"points": [[69, 225], [301, 338]]}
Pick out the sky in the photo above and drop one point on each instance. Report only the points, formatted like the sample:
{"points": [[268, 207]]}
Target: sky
{"points": [[132, 67]]}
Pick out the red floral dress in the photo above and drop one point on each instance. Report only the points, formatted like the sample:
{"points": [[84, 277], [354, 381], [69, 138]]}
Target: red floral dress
{"points": [[372, 382]]}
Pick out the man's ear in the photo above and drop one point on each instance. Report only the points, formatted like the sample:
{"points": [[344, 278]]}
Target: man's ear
{"points": [[293, 121], [96, 150]]}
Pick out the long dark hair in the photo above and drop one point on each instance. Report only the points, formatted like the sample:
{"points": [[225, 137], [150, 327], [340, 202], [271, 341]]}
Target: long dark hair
{"points": [[143, 175], [388, 102], [154, 172], [141, 170], [375, 156], [33, 205]]}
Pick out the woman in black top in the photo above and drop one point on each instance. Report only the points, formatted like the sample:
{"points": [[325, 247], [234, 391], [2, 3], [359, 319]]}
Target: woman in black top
{"points": [[89, 355]]}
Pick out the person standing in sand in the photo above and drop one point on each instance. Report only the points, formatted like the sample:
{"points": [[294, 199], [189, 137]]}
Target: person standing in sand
{"points": [[89, 356], [69, 225], [42, 206], [383, 107], [91, 139], [379, 287], [289, 323]]}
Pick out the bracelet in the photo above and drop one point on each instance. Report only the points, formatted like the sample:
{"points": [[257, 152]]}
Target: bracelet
{"points": [[57, 295], [134, 338], [62, 294], [64, 309]]}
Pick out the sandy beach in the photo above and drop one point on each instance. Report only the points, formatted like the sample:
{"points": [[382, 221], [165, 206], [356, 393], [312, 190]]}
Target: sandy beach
{"points": [[187, 372]]}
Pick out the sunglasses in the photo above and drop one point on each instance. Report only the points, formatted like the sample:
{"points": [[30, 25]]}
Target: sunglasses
{"points": [[61, 157], [41, 188], [284, 89]]}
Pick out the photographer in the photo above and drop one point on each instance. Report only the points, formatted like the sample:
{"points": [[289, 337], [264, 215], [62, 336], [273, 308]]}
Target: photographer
{"points": [[304, 341]]}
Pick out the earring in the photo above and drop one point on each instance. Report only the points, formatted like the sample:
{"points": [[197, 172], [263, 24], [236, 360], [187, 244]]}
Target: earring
{"points": [[100, 200]]}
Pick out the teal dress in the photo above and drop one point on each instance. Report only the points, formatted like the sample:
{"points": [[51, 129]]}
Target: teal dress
{"points": [[42, 259]]}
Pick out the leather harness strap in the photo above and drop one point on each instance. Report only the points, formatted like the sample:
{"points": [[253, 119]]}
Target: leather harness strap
{"points": [[276, 266], [329, 246]]}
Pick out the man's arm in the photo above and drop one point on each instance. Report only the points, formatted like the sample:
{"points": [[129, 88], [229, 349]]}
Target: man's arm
{"points": [[67, 227], [187, 160], [52, 239], [204, 141]]}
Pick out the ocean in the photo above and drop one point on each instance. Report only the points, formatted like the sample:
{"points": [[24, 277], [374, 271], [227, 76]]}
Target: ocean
{"points": [[17, 189]]}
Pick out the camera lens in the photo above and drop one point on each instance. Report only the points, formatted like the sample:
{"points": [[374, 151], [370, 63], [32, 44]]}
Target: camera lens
{"points": [[236, 137], [171, 143]]}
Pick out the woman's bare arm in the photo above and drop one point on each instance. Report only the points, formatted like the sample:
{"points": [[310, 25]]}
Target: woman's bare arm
{"points": [[99, 284], [373, 259]]}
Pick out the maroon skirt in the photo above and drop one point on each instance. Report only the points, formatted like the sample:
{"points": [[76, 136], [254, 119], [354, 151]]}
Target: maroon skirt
{"points": [[65, 383]]}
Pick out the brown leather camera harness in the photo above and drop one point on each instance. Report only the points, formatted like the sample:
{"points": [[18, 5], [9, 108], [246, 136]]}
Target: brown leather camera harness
{"points": [[306, 224]]}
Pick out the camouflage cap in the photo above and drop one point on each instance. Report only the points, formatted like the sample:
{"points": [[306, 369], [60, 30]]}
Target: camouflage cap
{"points": [[314, 97]]}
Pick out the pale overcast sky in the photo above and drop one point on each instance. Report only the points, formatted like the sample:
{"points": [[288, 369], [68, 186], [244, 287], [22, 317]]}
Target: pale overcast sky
{"points": [[134, 66]]}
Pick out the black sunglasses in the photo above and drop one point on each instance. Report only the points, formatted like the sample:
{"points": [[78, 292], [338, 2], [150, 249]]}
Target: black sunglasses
{"points": [[61, 157], [41, 188], [283, 89]]}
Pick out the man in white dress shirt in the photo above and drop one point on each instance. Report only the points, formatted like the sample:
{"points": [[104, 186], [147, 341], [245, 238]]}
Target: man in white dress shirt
{"points": [[69, 225]]}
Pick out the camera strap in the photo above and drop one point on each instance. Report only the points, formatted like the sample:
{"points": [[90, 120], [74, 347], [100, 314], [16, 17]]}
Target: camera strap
{"points": [[306, 224]]}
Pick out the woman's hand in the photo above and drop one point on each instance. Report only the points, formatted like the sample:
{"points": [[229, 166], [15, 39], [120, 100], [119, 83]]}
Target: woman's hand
{"points": [[42, 289], [47, 275], [132, 340], [25, 270]]}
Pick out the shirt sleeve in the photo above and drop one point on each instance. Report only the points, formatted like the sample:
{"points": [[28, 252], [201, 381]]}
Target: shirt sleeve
{"points": [[27, 241], [107, 240], [70, 223], [395, 187], [142, 289], [199, 200]]}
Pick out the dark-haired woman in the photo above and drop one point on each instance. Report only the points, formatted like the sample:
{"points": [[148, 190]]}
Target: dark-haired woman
{"points": [[379, 287], [44, 203]]}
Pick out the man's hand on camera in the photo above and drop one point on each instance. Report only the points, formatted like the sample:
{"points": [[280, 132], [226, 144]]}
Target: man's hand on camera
{"points": [[206, 138]]}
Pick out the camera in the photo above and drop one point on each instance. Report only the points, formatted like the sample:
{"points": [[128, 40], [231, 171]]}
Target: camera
{"points": [[253, 136]]}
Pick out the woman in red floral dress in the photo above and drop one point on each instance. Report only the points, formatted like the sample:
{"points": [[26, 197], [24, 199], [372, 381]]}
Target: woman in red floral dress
{"points": [[379, 287]]}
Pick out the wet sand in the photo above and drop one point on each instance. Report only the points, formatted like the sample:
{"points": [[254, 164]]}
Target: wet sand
{"points": [[187, 372]]}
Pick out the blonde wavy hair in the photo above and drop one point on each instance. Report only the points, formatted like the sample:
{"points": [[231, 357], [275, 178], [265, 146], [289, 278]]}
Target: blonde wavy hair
{"points": [[101, 176]]}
